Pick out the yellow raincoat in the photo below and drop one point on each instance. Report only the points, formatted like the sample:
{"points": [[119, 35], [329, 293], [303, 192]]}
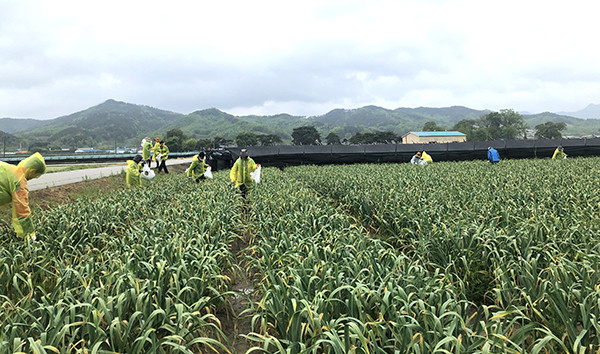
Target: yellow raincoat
{"points": [[146, 151], [240, 172], [164, 151], [154, 148], [13, 189], [558, 154], [197, 168], [133, 177], [426, 157]]}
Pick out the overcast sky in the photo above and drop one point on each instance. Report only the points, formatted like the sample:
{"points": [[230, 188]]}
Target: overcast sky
{"points": [[298, 57]]}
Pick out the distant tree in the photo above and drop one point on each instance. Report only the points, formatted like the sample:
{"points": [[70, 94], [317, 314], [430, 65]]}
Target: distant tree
{"points": [[332, 139], [480, 134], [549, 130], [362, 138], [466, 126], [506, 124], [175, 132], [385, 137], [174, 144], [432, 126], [246, 139], [219, 141], [381, 137], [269, 139], [307, 135], [203, 144], [190, 145]]}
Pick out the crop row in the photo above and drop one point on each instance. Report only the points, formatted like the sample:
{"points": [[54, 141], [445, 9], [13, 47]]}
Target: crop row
{"points": [[453, 257], [133, 271], [328, 287], [522, 236]]}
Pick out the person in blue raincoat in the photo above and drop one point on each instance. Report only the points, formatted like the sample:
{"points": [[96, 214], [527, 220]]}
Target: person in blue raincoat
{"points": [[493, 155]]}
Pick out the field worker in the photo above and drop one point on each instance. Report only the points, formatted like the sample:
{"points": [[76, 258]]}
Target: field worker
{"points": [[154, 148], [417, 159], [198, 167], [134, 172], [146, 150], [559, 153], [426, 157], [13, 189], [493, 155], [240, 172], [163, 152]]}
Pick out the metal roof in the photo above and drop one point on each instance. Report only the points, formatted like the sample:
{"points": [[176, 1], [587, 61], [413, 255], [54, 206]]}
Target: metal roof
{"points": [[445, 133]]}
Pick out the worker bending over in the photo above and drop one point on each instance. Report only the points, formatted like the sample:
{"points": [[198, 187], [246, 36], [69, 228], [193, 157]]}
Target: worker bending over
{"points": [[133, 175], [13, 189], [559, 153], [198, 167]]}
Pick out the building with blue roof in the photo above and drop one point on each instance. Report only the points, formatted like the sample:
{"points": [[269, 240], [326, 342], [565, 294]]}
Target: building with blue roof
{"points": [[433, 137]]}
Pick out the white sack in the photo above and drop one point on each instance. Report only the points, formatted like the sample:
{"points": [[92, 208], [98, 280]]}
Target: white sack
{"points": [[208, 173], [256, 174], [147, 173]]}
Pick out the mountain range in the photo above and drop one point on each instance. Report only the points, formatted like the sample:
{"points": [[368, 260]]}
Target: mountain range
{"points": [[592, 111], [114, 123]]}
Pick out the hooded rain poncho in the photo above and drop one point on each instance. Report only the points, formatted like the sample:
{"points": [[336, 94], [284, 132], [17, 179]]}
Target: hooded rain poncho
{"points": [[13, 189]]}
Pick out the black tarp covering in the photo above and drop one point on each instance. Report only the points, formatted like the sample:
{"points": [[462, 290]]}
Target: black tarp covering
{"points": [[286, 155]]}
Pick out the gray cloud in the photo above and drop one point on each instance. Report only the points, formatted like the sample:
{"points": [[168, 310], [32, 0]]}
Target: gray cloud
{"points": [[301, 60]]}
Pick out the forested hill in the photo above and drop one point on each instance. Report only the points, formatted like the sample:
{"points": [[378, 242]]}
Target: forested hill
{"points": [[124, 124], [12, 125], [400, 120], [575, 126], [109, 123]]}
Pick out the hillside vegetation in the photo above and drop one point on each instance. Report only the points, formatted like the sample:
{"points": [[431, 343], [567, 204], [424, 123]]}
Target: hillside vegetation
{"points": [[114, 123]]}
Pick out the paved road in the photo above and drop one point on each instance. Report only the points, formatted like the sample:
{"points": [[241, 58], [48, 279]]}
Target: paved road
{"points": [[68, 177]]}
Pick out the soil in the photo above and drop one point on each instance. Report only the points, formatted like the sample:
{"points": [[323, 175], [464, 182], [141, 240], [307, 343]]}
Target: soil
{"points": [[236, 324]]}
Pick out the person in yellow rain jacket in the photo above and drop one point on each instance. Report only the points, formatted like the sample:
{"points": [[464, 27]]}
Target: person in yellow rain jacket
{"points": [[134, 172], [13, 189], [154, 148], [146, 150], [240, 172], [559, 153], [163, 152], [426, 157], [198, 167]]}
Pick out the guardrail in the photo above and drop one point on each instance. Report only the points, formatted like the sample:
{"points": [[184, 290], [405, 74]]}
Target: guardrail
{"points": [[89, 157]]}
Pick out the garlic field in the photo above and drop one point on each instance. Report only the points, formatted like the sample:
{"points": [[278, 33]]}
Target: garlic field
{"points": [[453, 257]]}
